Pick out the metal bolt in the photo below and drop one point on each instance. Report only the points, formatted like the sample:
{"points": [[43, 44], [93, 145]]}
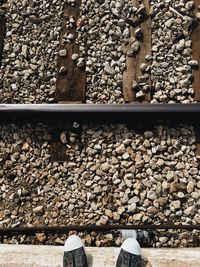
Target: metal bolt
{"points": [[76, 125]]}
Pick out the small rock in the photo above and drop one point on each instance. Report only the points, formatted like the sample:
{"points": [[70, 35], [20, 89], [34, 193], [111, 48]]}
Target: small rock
{"points": [[190, 211], [126, 33], [160, 162], [193, 63], [139, 95], [135, 47], [121, 23], [174, 205], [63, 53], [116, 216], [81, 62], [163, 239], [70, 36], [41, 237], [173, 187], [109, 70], [134, 85], [180, 45], [120, 210], [197, 218], [25, 146], [190, 187], [181, 195], [151, 195], [120, 149], [137, 217], [146, 143], [132, 207], [109, 237], [103, 220], [63, 70], [38, 210], [138, 33], [108, 213], [170, 176], [24, 50], [141, 9], [143, 66], [59, 241], [125, 156], [105, 167], [24, 192], [75, 57]]}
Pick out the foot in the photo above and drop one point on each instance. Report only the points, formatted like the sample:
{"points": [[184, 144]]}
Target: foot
{"points": [[74, 253], [130, 254], [144, 237]]}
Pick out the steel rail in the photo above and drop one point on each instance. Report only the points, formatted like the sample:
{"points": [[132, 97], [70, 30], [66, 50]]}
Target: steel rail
{"points": [[91, 228], [99, 112]]}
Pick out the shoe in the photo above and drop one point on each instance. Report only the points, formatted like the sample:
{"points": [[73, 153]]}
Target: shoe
{"points": [[130, 254], [74, 253], [144, 237]]}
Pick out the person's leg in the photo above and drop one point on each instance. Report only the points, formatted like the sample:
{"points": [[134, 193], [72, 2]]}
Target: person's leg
{"points": [[74, 253], [130, 254]]}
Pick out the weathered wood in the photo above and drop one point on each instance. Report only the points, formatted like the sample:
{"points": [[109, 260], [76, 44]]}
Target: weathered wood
{"points": [[129, 75], [195, 37], [197, 133], [145, 47], [57, 148], [2, 34], [70, 84], [133, 71]]}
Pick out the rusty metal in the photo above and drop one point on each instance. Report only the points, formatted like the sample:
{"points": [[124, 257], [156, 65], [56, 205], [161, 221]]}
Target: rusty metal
{"points": [[91, 228]]}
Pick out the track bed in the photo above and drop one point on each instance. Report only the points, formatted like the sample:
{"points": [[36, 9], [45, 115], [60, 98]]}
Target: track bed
{"points": [[132, 51], [70, 171], [109, 174]]}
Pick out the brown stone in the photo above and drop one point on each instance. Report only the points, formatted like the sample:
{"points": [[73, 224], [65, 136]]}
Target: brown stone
{"points": [[173, 187], [41, 237], [25, 146]]}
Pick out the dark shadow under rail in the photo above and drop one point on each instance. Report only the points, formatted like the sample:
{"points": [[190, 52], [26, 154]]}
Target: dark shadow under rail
{"points": [[97, 228]]}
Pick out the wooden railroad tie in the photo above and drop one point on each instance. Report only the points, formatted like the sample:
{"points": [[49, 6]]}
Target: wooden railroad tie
{"points": [[71, 79], [2, 34], [195, 37], [133, 72], [58, 149]]}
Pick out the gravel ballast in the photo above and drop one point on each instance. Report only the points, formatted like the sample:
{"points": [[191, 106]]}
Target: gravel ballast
{"points": [[29, 66], [28, 72], [102, 42], [172, 63], [113, 175]]}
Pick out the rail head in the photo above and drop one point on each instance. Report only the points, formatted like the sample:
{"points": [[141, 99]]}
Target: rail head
{"points": [[121, 113]]}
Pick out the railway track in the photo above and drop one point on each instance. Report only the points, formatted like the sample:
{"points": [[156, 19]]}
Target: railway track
{"points": [[70, 114], [87, 113]]}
